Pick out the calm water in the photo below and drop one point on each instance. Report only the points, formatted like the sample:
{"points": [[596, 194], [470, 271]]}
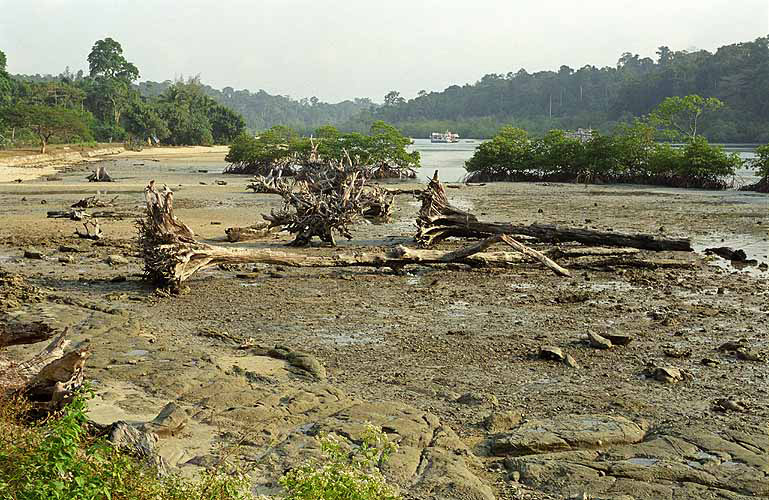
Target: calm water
{"points": [[449, 159]]}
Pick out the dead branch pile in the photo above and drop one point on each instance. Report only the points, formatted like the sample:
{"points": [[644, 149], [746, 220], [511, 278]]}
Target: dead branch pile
{"points": [[323, 199], [438, 220], [171, 253], [49, 378]]}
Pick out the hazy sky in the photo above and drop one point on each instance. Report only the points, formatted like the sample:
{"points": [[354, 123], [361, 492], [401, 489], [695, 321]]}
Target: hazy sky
{"points": [[336, 49]]}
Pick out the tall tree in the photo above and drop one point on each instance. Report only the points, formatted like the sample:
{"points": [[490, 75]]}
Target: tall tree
{"points": [[113, 76], [680, 116]]}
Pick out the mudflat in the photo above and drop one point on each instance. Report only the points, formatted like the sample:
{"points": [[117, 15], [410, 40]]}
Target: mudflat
{"points": [[448, 360]]}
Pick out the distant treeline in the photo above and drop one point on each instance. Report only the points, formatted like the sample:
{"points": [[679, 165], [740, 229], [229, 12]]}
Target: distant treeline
{"points": [[597, 98]]}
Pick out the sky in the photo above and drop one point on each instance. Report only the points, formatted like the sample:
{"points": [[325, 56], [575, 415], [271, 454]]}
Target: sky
{"points": [[338, 50]]}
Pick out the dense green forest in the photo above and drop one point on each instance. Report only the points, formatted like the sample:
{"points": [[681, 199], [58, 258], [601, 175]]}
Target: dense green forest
{"points": [[597, 98], [262, 110], [105, 105], [115, 107]]}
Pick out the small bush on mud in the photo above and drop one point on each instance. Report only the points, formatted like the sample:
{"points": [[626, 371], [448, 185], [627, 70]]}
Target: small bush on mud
{"points": [[343, 473]]}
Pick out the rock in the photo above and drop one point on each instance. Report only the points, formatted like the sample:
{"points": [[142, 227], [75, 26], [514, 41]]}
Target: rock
{"points": [[138, 443], [746, 354], [551, 353], [598, 341], [667, 374], [168, 422], [733, 345], [502, 421], [66, 259], [570, 361], [568, 432], [618, 339], [116, 260], [221, 183], [118, 279], [68, 249], [710, 362], [728, 404], [301, 360], [33, 254], [677, 352], [477, 398], [695, 463]]}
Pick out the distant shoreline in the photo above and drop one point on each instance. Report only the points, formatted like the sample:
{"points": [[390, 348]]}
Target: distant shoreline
{"points": [[34, 166]]}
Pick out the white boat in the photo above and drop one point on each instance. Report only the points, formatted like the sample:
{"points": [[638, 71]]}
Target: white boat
{"points": [[444, 137]]}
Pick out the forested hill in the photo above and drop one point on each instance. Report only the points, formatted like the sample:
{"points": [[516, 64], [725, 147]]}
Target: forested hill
{"points": [[738, 74], [262, 110]]}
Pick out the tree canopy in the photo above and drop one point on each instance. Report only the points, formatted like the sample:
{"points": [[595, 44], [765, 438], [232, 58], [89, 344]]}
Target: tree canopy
{"points": [[595, 97]]}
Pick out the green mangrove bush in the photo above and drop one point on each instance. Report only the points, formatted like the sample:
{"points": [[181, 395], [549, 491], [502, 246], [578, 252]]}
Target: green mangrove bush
{"points": [[383, 151], [630, 155]]}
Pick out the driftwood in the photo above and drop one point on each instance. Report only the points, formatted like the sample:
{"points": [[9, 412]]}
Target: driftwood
{"points": [[18, 333], [92, 230], [439, 220], [728, 253], [171, 253], [93, 201], [76, 215], [254, 232], [100, 175], [48, 379]]}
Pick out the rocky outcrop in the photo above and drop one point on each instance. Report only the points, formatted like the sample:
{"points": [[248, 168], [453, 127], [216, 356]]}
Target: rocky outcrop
{"points": [[606, 456]]}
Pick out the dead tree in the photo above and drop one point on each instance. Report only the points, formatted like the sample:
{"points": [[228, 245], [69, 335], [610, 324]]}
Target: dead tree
{"points": [[171, 253], [100, 175], [439, 220], [49, 378]]}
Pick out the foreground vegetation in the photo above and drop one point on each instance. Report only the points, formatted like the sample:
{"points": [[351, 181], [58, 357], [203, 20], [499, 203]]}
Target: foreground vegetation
{"points": [[281, 149], [105, 106], [57, 459]]}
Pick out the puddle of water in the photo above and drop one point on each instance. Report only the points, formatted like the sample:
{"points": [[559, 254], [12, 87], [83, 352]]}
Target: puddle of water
{"points": [[457, 309], [643, 461], [343, 339], [521, 286], [755, 247]]}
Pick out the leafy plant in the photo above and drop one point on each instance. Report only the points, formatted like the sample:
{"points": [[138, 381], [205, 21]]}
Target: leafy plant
{"points": [[344, 472]]}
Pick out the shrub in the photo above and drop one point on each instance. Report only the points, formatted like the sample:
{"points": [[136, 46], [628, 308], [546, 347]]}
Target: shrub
{"points": [[343, 473], [629, 155], [57, 460], [761, 161]]}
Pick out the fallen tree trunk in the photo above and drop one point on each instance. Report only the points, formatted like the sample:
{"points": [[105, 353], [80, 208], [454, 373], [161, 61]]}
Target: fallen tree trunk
{"points": [[171, 253], [439, 220]]}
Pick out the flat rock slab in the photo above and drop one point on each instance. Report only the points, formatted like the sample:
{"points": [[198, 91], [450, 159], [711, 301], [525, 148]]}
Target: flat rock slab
{"points": [[696, 463], [567, 432]]}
